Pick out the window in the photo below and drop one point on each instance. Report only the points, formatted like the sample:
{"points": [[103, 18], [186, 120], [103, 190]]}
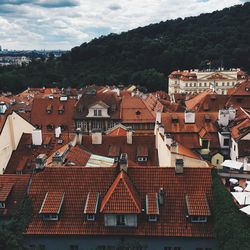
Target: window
{"points": [[205, 143], [120, 220], [198, 248], [99, 112], [199, 219], [50, 217], [217, 161], [90, 217], [223, 84], [234, 147], [226, 142], [152, 217], [205, 84], [2, 204], [228, 83], [190, 85], [167, 248], [195, 84], [142, 159], [186, 84], [177, 248], [200, 84], [95, 112], [73, 247]]}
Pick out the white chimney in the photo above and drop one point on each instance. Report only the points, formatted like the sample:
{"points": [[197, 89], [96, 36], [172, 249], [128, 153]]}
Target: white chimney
{"points": [[96, 137], [223, 117], [158, 116], [232, 113], [129, 136], [161, 130], [58, 132], [37, 138], [189, 116]]}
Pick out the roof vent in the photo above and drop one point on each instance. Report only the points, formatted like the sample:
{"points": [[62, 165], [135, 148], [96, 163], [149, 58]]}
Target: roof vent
{"points": [[161, 196], [40, 161]]}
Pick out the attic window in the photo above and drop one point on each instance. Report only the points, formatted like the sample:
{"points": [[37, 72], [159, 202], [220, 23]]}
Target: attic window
{"points": [[61, 109], [52, 205], [152, 206], [175, 119], [63, 127], [50, 127], [207, 118], [138, 112], [91, 205], [49, 109], [5, 190]]}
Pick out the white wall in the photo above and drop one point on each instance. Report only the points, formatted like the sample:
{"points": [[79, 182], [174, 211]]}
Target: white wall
{"points": [[11, 134], [234, 153], [98, 107]]}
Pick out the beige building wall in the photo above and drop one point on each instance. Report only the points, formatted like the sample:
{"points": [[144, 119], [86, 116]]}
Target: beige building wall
{"points": [[11, 134], [217, 160]]}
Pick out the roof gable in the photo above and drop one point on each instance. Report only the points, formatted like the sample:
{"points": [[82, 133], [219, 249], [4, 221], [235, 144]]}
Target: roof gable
{"points": [[121, 197]]}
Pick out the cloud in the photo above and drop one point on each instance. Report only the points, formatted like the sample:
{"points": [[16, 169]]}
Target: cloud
{"points": [[57, 3], [114, 6], [50, 24]]}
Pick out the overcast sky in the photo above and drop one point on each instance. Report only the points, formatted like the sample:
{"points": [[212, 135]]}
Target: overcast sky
{"points": [[63, 24]]}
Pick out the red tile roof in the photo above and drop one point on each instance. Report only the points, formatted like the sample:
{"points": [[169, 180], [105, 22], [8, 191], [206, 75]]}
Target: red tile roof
{"points": [[134, 110], [121, 197], [197, 204], [152, 204], [52, 203], [77, 182], [5, 190], [91, 204], [142, 150], [40, 116], [23, 158], [12, 191], [112, 144], [240, 89], [241, 129], [78, 156]]}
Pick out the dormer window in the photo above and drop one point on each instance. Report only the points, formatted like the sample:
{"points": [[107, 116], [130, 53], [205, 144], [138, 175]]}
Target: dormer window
{"points": [[49, 109], [91, 205], [97, 112], [197, 213], [50, 127], [51, 206], [5, 190], [152, 206], [2, 204], [61, 109], [204, 143]]}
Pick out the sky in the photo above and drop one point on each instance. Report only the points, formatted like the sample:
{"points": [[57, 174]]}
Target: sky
{"points": [[63, 24]]}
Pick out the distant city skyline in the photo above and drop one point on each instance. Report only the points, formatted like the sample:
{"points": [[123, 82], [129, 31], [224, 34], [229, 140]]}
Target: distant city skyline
{"points": [[63, 24]]}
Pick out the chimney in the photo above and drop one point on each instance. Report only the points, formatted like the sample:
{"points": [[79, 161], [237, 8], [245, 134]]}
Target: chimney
{"points": [[79, 136], [129, 136], [179, 164], [123, 162], [174, 147], [223, 117], [58, 132], [232, 113], [189, 116], [96, 137], [161, 196], [161, 130], [168, 139], [40, 161], [158, 116], [37, 138]]}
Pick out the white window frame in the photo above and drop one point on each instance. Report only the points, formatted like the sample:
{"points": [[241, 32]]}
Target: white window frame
{"points": [[142, 159], [152, 217], [50, 217], [2, 204], [90, 217], [122, 219], [198, 219]]}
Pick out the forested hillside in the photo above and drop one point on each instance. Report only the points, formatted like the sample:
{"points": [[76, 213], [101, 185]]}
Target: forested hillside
{"points": [[145, 55]]}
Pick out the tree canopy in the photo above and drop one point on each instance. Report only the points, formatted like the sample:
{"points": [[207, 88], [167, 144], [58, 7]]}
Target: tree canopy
{"points": [[146, 54]]}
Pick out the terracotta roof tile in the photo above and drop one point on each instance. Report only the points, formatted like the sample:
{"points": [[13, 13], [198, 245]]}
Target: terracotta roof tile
{"points": [[77, 182], [91, 204], [152, 204], [5, 190], [197, 204], [121, 197], [52, 203]]}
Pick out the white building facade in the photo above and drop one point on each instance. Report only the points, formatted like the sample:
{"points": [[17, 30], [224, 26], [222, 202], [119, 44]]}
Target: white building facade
{"points": [[196, 81]]}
